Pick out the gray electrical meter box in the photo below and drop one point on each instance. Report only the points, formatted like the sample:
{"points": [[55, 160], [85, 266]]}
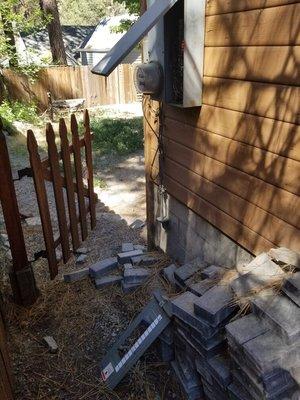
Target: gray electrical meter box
{"points": [[173, 51]]}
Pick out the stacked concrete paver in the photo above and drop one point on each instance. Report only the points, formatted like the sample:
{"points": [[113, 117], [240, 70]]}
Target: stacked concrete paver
{"points": [[221, 354]]}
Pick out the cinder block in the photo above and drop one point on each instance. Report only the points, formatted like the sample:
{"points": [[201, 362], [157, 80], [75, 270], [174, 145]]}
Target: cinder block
{"points": [[280, 312], [103, 267], [212, 272], [108, 281], [237, 392], [283, 255], [124, 258], [188, 270], [128, 266], [291, 288], [215, 305], [168, 274], [127, 247], [136, 275], [183, 308], [244, 329], [140, 247], [191, 384], [75, 276]]}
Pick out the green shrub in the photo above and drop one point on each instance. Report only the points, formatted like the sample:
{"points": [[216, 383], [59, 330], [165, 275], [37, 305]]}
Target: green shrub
{"points": [[117, 135], [11, 111]]}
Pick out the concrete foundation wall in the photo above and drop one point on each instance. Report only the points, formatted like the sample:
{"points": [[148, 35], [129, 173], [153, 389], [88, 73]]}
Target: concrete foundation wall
{"points": [[189, 236]]}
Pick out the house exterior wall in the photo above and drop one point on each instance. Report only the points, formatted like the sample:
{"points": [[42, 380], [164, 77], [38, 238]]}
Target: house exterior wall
{"points": [[235, 162]]}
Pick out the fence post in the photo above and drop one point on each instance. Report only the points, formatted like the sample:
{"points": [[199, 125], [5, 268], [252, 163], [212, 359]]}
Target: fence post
{"points": [[21, 275]]}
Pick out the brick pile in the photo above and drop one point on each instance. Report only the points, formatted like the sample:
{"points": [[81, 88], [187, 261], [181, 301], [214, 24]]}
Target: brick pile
{"points": [[219, 353]]}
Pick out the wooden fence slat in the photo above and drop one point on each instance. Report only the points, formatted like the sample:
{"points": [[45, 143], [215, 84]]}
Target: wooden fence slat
{"points": [[58, 192], [66, 157], [6, 379], [41, 193], [79, 176], [89, 163]]}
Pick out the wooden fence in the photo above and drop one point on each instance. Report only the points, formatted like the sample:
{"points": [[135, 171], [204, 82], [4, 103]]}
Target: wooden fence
{"points": [[49, 170], [6, 382], [73, 83]]}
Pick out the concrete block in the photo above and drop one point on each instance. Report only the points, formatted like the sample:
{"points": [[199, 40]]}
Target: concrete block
{"points": [[183, 308], [82, 250], [129, 287], [168, 335], [168, 274], [192, 387], [140, 247], [215, 305], [81, 259], [51, 344], [188, 270], [166, 351], [128, 266], [244, 329], [220, 370], [127, 247], [103, 267], [237, 392], [75, 276], [108, 281], [201, 287], [203, 369], [144, 260], [268, 353], [136, 275], [283, 255], [124, 258], [291, 288], [212, 272], [280, 312]]}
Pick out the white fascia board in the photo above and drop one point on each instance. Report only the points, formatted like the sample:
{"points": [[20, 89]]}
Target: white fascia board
{"points": [[140, 29]]}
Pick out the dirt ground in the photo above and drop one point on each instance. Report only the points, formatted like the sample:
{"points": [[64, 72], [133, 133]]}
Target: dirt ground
{"points": [[84, 321]]}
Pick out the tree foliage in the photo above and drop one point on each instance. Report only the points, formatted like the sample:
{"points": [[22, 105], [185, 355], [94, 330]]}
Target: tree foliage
{"points": [[88, 12], [17, 16]]}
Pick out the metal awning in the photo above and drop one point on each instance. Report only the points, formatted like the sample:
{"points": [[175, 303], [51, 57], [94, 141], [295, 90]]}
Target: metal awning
{"points": [[127, 43]]}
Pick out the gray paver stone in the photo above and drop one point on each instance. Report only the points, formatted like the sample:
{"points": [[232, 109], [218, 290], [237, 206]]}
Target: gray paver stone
{"points": [[280, 312], [215, 305], [245, 329], [108, 281], [127, 247], [291, 288], [212, 272], [201, 287], [51, 344], [81, 259], [220, 369], [188, 270], [183, 308], [75, 276], [129, 287], [126, 257], [144, 260], [103, 267], [136, 275]]}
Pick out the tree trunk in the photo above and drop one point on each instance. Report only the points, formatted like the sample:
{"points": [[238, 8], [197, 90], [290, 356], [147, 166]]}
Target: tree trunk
{"points": [[55, 32]]}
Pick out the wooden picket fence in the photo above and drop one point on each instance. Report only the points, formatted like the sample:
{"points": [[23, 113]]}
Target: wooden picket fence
{"points": [[49, 170]]}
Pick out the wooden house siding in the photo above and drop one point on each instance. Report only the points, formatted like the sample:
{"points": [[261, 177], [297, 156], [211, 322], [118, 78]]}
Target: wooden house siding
{"points": [[236, 160]]}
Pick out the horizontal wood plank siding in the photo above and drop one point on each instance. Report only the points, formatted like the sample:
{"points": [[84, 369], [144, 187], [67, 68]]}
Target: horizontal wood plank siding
{"points": [[226, 6], [236, 160], [274, 26]]}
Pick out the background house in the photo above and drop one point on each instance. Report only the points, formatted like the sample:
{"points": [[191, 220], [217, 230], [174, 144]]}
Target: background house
{"points": [[103, 38]]}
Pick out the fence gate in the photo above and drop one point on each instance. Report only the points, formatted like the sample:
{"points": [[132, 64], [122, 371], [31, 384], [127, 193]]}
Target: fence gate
{"points": [[58, 169], [6, 382]]}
